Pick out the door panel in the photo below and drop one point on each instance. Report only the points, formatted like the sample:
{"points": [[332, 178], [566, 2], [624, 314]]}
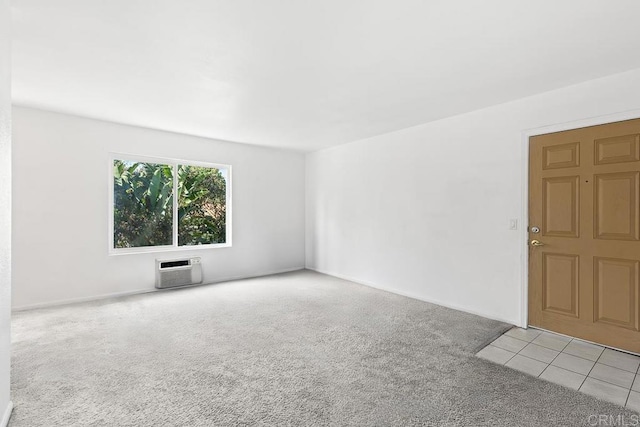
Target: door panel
{"points": [[561, 156], [584, 195], [616, 206], [560, 277], [561, 206], [616, 292], [618, 149]]}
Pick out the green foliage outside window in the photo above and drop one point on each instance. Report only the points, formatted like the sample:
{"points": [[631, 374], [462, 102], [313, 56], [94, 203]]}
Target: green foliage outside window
{"points": [[143, 205], [202, 208]]}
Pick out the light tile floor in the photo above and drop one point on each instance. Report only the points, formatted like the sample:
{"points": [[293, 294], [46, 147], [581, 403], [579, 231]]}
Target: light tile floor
{"points": [[601, 372]]}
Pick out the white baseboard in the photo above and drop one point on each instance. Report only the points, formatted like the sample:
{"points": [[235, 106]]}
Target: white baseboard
{"points": [[143, 291], [78, 300], [412, 295], [263, 274], [7, 414]]}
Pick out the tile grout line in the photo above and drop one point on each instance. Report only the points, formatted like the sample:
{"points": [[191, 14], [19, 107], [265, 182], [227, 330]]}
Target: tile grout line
{"points": [[594, 365], [559, 353], [518, 353], [531, 358], [608, 382], [580, 357], [631, 389], [549, 364], [606, 347], [598, 379], [515, 353], [611, 366], [629, 394], [584, 358], [549, 348], [527, 357], [505, 334], [605, 381], [539, 345], [499, 348], [505, 363]]}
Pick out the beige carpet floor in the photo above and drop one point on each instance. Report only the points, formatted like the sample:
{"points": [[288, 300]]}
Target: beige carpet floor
{"points": [[299, 349]]}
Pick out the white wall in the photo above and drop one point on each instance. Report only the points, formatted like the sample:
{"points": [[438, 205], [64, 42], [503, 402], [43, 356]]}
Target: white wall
{"points": [[425, 211], [5, 208], [60, 227]]}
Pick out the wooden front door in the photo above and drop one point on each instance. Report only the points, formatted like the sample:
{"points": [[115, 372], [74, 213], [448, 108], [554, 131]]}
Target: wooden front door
{"points": [[584, 203]]}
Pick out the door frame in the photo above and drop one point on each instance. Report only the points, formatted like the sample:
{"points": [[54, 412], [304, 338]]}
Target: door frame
{"points": [[524, 231]]}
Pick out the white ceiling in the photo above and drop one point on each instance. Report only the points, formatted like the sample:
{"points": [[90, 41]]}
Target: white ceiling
{"points": [[308, 75]]}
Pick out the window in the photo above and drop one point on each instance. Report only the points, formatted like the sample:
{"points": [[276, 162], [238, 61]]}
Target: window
{"points": [[160, 204]]}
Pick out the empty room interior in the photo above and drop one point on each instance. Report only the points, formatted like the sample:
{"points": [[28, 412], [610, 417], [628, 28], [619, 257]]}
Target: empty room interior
{"points": [[328, 213]]}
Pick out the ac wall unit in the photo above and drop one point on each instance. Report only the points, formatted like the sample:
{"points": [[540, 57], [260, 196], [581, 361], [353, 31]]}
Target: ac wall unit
{"points": [[172, 273]]}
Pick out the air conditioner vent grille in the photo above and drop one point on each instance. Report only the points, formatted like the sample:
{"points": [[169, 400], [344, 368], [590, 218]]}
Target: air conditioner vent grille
{"points": [[178, 272], [181, 263]]}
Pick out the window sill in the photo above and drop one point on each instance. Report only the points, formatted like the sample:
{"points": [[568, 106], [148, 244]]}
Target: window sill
{"points": [[165, 249]]}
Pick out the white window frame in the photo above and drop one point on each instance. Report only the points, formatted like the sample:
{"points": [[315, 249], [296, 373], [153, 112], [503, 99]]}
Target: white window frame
{"points": [[174, 164]]}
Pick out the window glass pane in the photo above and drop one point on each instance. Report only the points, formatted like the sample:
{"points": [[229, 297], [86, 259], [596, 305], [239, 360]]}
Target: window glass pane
{"points": [[201, 205], [142, 204]]}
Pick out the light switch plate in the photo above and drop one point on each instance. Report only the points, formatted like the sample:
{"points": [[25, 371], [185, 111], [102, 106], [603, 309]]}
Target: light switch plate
{"points": [[513, 224]]}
